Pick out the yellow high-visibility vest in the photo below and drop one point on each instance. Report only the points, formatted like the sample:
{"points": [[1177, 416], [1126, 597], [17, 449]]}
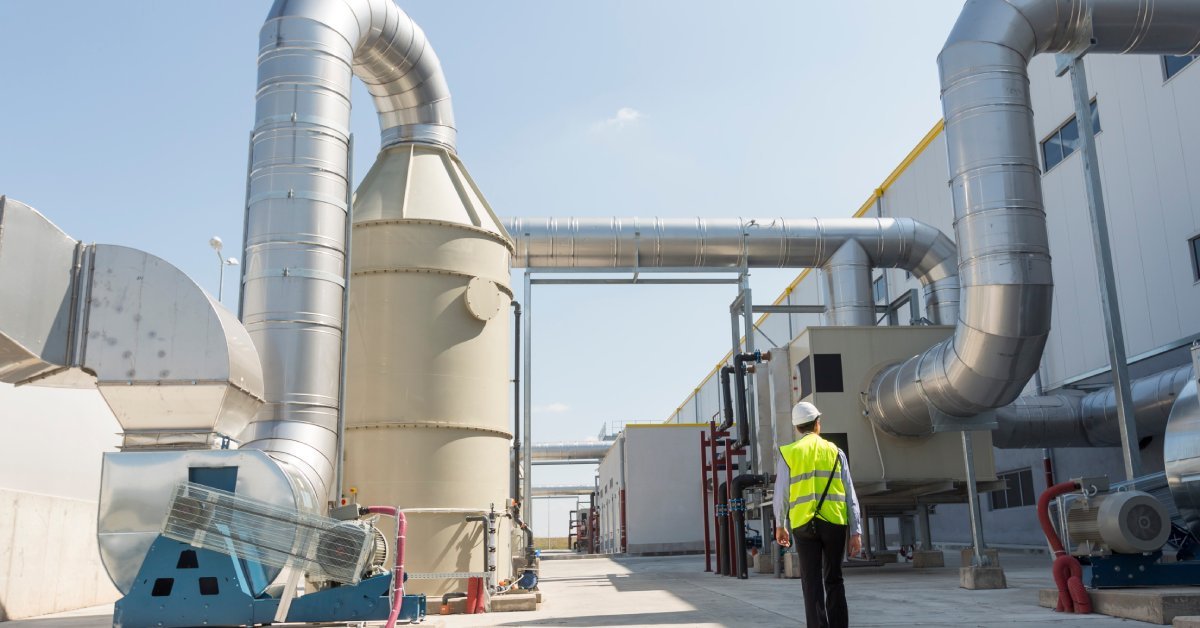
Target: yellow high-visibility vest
{"points": [[811, 461]]}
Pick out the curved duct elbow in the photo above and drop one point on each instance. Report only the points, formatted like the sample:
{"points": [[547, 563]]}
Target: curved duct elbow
{"points": [[295, 271], [174, 366], [901, 243], [995, 180], [332, 40]]}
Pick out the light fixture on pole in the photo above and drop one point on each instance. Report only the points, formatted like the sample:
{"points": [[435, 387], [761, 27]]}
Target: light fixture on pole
{"points": [[216, 244]]}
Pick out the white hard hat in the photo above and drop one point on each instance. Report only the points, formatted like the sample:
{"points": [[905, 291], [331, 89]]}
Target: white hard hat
{"points": [[804, 413]]}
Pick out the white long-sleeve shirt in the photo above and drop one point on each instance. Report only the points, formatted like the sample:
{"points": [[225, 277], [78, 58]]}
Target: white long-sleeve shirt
{"points": [[783, 480]]}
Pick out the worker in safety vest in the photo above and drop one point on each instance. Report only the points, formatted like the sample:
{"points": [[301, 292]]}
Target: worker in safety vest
{"points": [[813, 471]]}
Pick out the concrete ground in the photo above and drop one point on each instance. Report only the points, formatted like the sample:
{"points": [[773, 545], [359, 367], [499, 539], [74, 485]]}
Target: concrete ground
{"points": [[675, 591]]}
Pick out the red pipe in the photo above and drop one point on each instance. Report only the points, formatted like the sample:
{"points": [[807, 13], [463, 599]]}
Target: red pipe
{"points": [[704, 500], [398, 572], [1068, 575], [729, 453], [712, 448]]}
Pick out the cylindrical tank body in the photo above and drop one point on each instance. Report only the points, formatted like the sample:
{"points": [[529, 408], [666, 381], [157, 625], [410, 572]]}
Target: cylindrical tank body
{"points": [[427, 392]]}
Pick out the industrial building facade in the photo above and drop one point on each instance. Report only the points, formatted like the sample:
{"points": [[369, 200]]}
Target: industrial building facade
{"points": [[1148, 139]]}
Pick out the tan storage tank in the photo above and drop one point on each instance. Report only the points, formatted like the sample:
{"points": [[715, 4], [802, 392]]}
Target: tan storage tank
{"points": [[427, 393]]}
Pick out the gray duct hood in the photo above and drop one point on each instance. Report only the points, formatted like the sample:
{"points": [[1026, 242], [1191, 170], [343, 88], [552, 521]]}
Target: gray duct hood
{"points": [[175, 367]]}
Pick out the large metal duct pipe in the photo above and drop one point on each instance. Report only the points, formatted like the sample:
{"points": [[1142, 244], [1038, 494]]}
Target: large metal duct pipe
{"points": [[730, 243], [293, 282], [564, 490], [1090, 420], [848, 286], [571, 450], [995, 179]]}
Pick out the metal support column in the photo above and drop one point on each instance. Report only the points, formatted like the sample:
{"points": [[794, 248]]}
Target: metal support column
{"points": [[981, 559], [926, 533], [751, 378], [527, 446], [1114, 331]]}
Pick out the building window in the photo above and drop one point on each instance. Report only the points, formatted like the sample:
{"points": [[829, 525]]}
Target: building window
{"points": [[1065, 140], [879, 290], [1019, 493], [1194, 244], [1173, 65]]}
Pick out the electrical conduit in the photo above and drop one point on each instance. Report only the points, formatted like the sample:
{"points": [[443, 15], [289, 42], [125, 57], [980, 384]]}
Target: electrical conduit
{"points": [[398, 571]]}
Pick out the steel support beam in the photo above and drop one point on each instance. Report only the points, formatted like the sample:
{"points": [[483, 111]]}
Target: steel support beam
{"points": [[1114, 332]]}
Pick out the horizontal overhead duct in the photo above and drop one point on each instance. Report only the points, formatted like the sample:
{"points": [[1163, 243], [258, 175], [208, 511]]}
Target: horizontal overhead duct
{"points": [[730, 243], [571, 450], [294, 275], [1079, 420], [564, 490], [995, 183]]}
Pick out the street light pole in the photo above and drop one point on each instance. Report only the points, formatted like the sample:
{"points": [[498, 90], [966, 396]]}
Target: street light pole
{"points": [[216, 244]]}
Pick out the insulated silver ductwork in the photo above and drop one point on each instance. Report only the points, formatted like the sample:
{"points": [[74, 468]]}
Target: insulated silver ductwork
{"points": [[564, 490], [174, 366], [294, 277], [995, 180], [571, 450], [756, 243], [848, 286], [1090, 420]]}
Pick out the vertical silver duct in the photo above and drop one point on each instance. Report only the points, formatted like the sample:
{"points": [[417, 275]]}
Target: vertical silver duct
{"points": [[758, 243], [995, 179], [296, 216], [848, 285], [1089, 420]]}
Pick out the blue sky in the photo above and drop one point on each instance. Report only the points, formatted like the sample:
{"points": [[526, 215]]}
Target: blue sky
{"points": [[127, 121]]}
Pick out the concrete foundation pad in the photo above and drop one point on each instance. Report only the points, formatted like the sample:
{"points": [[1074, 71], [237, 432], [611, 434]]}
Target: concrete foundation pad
{"points": [[1154, 605], [928, 559], [887, 557], [791, 565], [979, 578], [968, 557], [514, 602], [1186, 621]]}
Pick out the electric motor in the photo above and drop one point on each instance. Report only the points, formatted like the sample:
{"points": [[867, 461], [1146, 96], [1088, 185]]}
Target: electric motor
{"points": [[1126, 522]]}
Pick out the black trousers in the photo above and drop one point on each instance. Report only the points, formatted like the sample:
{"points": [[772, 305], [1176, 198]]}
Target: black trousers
{"points": [[821, 556]]}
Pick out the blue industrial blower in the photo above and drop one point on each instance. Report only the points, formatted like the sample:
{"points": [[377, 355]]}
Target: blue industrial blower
{"points": [[219, 553]]}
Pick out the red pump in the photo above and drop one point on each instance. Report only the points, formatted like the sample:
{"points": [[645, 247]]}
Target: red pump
{"points": [[1068, 575]]}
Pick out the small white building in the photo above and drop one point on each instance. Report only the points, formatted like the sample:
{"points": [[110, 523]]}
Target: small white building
{"points": [[650, 486]]}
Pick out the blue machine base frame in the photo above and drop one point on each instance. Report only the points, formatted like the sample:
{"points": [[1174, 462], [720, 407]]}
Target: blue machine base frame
{"points": [[179, 585], [1139, 570]]}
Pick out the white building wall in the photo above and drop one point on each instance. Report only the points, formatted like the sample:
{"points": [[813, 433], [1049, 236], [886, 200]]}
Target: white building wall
{"points": [[662, 493], [49, 484], [608, 496]]}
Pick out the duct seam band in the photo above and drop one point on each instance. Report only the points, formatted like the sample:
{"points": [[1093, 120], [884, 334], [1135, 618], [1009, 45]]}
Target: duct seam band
{"points": [[339, 203], [306, 273], [441, 425], [438, 223], [429, 271]]}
